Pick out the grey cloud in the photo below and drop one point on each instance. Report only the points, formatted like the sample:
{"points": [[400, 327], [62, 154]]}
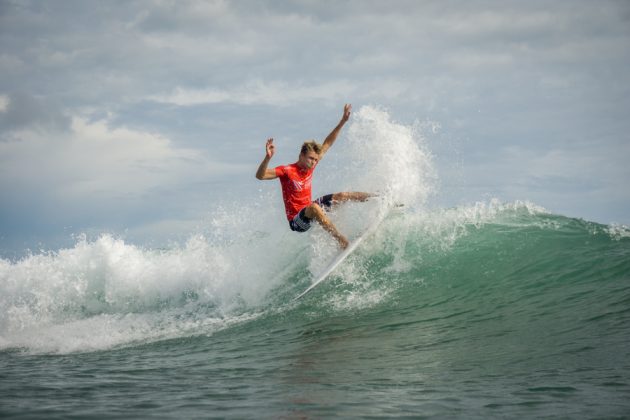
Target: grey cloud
{"points": [[28, 111]]}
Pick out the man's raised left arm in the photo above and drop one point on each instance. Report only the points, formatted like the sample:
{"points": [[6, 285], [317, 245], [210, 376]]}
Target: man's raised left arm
{"points": [[330, 139]]}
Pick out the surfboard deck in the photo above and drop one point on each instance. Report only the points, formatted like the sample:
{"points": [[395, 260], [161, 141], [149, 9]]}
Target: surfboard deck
{"points": [[344, 254]]}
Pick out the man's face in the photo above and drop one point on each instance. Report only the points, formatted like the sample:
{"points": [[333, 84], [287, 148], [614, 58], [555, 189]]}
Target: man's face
{"points": [[308, 160]]}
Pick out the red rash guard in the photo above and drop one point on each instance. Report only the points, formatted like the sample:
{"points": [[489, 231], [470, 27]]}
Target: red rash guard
{"points": [[296, 188]]}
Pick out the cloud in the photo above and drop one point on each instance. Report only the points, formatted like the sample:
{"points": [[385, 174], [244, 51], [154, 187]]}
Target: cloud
{"points": [[4, 103], [257, 92], [96, 158], [109, 110], [95, 172], [21, 110]]}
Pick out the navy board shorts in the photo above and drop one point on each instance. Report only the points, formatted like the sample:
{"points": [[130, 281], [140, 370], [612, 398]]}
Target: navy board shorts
{"points": [[301, 223]]}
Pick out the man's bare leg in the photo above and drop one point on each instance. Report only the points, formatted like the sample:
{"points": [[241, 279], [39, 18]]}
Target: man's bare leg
{"points": [[341, 197], [314, 211]]}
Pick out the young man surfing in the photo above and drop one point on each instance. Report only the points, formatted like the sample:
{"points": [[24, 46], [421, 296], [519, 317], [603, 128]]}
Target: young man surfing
{"points": [[295, 180]]}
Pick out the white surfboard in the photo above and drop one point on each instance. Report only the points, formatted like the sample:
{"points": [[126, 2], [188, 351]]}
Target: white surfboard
{"points": [[351, 247]]}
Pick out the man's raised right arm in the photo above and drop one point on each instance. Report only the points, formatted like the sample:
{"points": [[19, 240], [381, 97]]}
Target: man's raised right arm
{"points": [[262, 172]]}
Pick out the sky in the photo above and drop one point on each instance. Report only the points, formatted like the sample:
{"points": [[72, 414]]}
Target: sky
{"points": [[137, 117]]}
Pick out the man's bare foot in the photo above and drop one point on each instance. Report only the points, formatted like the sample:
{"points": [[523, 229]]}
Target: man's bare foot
{"points": [[343, 242]]}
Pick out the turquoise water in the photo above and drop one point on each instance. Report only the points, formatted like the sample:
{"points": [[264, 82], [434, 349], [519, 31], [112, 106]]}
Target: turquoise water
{"points": [[494, 310]]}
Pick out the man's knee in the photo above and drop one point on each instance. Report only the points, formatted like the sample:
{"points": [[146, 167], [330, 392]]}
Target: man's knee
{"points": [[313, 211]]}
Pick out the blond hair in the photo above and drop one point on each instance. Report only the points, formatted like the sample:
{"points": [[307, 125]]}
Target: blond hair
{"points": [[311, 146]]}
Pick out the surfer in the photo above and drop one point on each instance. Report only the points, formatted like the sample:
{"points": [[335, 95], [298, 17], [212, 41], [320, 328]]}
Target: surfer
{"points": [[295, 180]]}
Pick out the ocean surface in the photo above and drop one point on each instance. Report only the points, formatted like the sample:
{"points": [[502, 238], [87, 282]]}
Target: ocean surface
{"points": [[488, 310]]}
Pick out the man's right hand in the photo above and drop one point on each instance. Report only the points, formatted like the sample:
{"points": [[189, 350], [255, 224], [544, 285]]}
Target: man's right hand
{"points": [[270, 148], [263, 172]]}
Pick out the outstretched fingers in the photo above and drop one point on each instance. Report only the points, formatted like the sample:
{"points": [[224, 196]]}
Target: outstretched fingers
{"points": [[270, 148]]}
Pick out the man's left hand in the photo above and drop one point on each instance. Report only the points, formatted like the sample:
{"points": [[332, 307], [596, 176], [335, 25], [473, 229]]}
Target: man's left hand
{"points": [[347, 109]]}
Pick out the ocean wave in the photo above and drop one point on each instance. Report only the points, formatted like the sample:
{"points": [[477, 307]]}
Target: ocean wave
{"points": [[105, 293]]}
